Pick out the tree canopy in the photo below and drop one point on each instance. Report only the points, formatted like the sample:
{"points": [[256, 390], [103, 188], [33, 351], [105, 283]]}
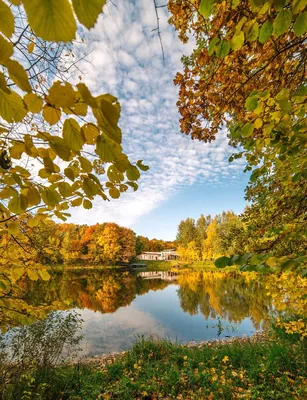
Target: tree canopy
{"points": [[248, 73]]}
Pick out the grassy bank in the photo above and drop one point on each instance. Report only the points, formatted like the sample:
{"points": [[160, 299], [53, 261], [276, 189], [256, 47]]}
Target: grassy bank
{"points": [[262, 369]]}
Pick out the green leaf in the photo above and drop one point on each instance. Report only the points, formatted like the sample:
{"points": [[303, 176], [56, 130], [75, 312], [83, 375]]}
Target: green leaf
{"points": [[87, 11], [298, 5], [237, 41], [6, 20], [206, 8], [114, 193], [282, 22], [300, 25], [72, 135], [251, 103], [247, 129], [212, 45], [223, 48], [265, 32], [51, 20], [253, 33], [222, 262]]}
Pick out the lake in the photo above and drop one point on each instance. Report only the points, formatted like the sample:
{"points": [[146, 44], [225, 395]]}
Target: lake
{"points": [[118, 306]]}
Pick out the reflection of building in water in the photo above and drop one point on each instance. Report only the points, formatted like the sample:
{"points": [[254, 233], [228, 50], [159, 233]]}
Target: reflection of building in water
{"points": [[165, 275], [164, 255]]}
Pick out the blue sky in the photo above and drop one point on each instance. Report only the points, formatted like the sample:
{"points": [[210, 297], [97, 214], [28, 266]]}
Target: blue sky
{"points": [[186, 178]]}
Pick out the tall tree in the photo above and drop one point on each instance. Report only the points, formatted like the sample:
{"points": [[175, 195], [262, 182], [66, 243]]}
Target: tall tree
{"points": [[186, 232]]}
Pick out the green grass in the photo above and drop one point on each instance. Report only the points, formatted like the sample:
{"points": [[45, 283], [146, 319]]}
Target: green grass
{"points": [[269, 370]]}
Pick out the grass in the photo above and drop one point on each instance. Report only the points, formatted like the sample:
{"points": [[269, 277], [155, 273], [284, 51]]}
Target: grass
{"points": [[270, 370]]}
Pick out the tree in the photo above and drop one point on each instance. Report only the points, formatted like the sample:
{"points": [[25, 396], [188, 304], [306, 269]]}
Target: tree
{"points": [[248, 73], [71, 138], [186, 232], [212, 245]]}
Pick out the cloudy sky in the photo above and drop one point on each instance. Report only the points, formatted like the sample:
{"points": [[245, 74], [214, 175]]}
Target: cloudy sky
{"points": [[186, 178]]}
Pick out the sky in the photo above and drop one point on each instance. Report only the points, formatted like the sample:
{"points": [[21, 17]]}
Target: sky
{"points": [[186, 178]]}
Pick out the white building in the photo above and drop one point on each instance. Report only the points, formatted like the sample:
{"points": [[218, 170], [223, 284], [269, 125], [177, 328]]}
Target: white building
{"points": [[164, 255]]}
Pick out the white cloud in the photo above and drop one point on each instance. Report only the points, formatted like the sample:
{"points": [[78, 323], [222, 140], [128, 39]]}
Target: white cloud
{"points": [[126, 60]]}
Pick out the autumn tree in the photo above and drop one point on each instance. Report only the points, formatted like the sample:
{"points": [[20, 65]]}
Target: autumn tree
{"points": [[60, 146], [248, 72]]}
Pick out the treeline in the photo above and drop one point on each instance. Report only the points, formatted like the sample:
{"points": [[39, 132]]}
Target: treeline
{"points": [[106, 243], [210, 237]]}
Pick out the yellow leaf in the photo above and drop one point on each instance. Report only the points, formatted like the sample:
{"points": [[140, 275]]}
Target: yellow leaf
{"points": [[3, 83], [87, 11], [33, 197], [258, 123], [15, 2], [72, 134], [87, 204], [33, 102], [44, 274], [114, 193], [31, 47], [6, 49], [13, 228], [18, 75], [16, 150], [62, 95], [52, 115], [76, 202], [32, 274], [90, 132], [86, 95], [6, 20], [12, 108], [52, 20]]}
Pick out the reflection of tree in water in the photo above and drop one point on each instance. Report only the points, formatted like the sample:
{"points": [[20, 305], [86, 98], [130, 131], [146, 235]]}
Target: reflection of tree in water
{"points": [[230, 296], [103, 291]]}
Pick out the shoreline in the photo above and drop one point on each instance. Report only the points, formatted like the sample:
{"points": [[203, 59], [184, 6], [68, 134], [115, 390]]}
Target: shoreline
{"points": [[100, 362]]}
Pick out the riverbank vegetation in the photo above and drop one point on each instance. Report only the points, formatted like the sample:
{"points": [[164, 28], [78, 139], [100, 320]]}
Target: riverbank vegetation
{"points": [[272, 367]]}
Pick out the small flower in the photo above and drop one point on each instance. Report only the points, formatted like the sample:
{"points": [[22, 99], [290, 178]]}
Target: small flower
{"points": [[225, 359]]}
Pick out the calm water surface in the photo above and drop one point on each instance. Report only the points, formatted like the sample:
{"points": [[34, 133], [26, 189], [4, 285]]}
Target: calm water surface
{"points": [[118, 307]]}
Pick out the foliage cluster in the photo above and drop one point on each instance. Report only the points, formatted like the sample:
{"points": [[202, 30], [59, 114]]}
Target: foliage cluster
{"points": [[209, 238], [247, 73]]}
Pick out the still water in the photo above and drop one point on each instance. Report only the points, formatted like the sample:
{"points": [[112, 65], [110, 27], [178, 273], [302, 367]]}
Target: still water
{"points": [[117, 307]]}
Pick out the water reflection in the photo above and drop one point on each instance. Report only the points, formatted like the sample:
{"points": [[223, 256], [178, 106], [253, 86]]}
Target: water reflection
{"points": [[118, 306]]}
